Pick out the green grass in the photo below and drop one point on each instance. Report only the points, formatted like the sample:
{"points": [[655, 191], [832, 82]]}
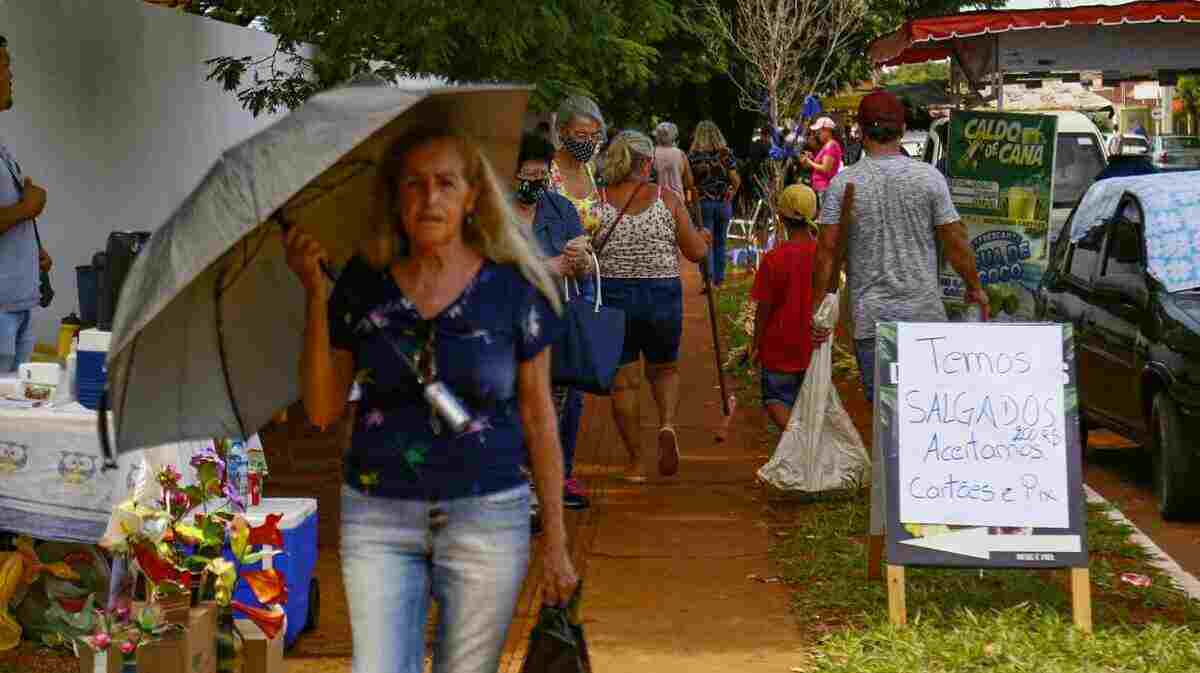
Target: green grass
{"points": [[967, 620]]}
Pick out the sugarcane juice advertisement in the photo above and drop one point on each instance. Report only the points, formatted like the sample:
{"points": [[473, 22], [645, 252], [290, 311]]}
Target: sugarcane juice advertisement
{"points": [[1001, 168]]}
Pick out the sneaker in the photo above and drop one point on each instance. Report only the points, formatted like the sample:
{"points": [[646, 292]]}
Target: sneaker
{"points": [[574, 496], [668, 451]]}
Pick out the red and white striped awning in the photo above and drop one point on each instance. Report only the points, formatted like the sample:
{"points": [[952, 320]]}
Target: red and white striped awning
{"points": [[923, 40]]}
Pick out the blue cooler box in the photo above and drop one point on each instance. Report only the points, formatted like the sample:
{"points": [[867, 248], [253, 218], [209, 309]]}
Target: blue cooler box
{"points": [[90, 371], [298, 561]]}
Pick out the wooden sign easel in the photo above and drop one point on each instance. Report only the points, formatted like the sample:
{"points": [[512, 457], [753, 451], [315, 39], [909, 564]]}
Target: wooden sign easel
{"points": [[977, 546]]}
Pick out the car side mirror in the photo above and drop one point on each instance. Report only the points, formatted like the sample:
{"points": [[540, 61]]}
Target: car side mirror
{"points": [[1129, 287]]}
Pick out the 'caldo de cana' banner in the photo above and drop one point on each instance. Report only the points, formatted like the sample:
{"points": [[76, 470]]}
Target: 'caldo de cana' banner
{"points": [[1001, 166]]}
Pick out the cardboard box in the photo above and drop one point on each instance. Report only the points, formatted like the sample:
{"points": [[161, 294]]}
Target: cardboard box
{"points": [[261, 655], [99, 662], [193, 650]]}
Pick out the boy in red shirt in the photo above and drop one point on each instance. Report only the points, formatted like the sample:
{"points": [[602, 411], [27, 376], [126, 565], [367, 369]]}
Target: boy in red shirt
{"points": [[783, 339]]}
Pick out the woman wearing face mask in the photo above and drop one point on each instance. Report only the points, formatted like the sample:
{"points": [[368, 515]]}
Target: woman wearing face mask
{"points": [[556, 227], [580, 131], [643, 227]]}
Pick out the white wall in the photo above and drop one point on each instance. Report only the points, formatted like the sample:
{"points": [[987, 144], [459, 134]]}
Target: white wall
{"points": [[113, 117]]}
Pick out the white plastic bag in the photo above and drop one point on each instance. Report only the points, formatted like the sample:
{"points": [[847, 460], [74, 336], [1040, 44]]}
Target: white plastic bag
{"points": [[821, 449]]}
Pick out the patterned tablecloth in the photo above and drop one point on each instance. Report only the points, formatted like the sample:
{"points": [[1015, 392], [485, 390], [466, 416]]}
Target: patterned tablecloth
{"points": [[52, 486]]}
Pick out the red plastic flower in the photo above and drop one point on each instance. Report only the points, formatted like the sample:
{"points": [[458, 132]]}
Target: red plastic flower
{"points": [[268, 533], [269, 586], [128, 647], [155, 567], [270, 621]]}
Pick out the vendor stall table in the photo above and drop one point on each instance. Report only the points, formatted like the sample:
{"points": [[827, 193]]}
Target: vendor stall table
{"points": [[52, 486]]}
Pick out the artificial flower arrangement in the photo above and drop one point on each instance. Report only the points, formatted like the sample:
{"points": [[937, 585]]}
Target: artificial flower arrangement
{"points": [[176, 543]]}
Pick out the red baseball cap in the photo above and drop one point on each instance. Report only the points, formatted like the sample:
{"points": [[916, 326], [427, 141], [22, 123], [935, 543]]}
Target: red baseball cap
{"points": [[880, 108]]}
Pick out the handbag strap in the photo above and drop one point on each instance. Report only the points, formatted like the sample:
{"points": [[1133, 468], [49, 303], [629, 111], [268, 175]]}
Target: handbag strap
{"points": [[578, 292], [597, 248]]}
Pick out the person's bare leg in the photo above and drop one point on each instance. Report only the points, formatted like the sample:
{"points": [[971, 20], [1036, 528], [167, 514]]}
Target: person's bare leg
{"points": [[627, 413], [779, 414], [664, 384]]}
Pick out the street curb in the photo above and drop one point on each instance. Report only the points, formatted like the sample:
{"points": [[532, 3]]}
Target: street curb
{"points": [[1184, 581]]}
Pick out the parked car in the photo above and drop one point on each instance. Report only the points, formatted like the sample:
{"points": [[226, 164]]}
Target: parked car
{"points": [[1080, 155], [1128, 144], [1176, 153], [1135, 309]]}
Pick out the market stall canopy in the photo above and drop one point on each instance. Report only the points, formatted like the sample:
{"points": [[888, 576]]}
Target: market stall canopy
{"points": [[1134, 38], [1171, 208]]}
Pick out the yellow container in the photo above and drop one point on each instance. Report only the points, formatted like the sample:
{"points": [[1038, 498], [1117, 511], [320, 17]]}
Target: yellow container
{"points": [[66, 335]]}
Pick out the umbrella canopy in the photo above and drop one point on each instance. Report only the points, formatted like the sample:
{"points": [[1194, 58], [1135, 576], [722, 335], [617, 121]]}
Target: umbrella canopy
{"points": [[208, 330]]}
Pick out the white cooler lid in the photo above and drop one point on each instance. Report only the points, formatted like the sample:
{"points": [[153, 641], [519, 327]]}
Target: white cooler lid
{"points": [[294, 511], [94, 340]]}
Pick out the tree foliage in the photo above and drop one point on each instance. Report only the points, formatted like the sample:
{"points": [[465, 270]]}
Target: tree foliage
{"points": [[917, 73]]}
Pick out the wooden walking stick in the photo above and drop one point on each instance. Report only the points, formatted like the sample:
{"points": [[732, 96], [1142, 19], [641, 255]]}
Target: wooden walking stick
{"points": [[728, 403]]}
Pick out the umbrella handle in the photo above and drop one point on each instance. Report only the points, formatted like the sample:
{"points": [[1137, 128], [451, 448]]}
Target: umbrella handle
{"points": [[284, 225], [110, 461]]}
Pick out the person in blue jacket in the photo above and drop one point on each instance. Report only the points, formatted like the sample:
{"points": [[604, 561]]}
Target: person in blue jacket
{"points": [[558, 230]]}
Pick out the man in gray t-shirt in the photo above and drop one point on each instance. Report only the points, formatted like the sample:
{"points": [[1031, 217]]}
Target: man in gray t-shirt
{"points": [[895, 210], [21, 257]]}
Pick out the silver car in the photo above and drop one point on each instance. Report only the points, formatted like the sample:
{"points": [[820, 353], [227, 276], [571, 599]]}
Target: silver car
{"points": [[1176, 153]]}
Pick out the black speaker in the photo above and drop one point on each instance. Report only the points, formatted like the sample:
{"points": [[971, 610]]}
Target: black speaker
{"points": [[122, 248]]}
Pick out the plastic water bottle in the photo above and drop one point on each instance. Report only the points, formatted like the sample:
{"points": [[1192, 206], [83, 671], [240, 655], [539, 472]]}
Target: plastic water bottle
{"points": [[237, 467]]}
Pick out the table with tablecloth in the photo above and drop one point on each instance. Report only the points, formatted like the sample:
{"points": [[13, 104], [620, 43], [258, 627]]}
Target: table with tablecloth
{"points": [[52, 482]]}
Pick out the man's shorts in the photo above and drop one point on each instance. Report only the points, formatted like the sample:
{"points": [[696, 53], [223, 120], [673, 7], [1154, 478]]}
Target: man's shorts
{"points": [[781, 387]]}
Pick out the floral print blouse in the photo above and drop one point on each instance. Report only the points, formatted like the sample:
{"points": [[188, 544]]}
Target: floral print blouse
{"points": [[589, 207], [400, 449]]}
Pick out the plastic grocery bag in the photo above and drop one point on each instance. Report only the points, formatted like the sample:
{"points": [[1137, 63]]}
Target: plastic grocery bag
{"points": [[821, 449], [557, 644]]}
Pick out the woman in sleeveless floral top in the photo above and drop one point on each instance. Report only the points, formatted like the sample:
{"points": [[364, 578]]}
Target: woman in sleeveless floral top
{"points": [[580, 130], [642, 229]]}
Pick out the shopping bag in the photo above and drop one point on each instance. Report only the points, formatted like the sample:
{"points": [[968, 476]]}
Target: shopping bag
{"points": [[820, 449], [557, 644], [588, 354]]}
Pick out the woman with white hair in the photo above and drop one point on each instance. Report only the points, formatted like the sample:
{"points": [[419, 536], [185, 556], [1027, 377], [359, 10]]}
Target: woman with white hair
{"points": [[674, 171], [717, 180], [643, 227], [580, 132], [451, 292]]}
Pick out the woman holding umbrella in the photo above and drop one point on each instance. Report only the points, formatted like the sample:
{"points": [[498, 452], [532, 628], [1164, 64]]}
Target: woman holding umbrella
{"points": [[642, 229], [450, 292]]}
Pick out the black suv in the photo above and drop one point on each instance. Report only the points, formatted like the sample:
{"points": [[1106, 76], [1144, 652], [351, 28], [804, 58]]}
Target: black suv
{"points": [[1137, 348]]}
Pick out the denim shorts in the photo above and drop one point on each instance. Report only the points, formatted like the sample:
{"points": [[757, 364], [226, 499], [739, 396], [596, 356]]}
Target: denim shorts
{"points": [[653, 316], [864, 349], [781, 387], [469, 554]]}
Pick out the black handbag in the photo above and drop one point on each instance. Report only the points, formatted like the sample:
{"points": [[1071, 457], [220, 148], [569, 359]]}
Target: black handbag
{"points": [[588, 354], [557, 644]]}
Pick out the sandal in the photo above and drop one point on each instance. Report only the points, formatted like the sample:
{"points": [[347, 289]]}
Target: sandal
{"points": [[668, 451]]}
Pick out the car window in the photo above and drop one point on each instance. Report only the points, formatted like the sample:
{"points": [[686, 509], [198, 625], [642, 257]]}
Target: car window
{"points": [[1124, 251], [1077, 161], [1084, 255]]}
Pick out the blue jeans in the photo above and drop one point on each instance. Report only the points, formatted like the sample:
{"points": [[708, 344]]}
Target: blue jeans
{"points": [[715, 216], [16, 340], [864, 349], [468, 554], [568, 402]]}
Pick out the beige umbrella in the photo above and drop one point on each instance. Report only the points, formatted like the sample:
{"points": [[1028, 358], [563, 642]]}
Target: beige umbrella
{"points": [[208, 329]]}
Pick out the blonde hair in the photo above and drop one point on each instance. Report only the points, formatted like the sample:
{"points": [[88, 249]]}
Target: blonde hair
{"points": [[628, 152], [708, 138], [493, 229]]}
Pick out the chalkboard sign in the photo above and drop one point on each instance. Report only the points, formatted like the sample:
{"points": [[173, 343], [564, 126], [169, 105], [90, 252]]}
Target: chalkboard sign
{"points": [[980, 433]]}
